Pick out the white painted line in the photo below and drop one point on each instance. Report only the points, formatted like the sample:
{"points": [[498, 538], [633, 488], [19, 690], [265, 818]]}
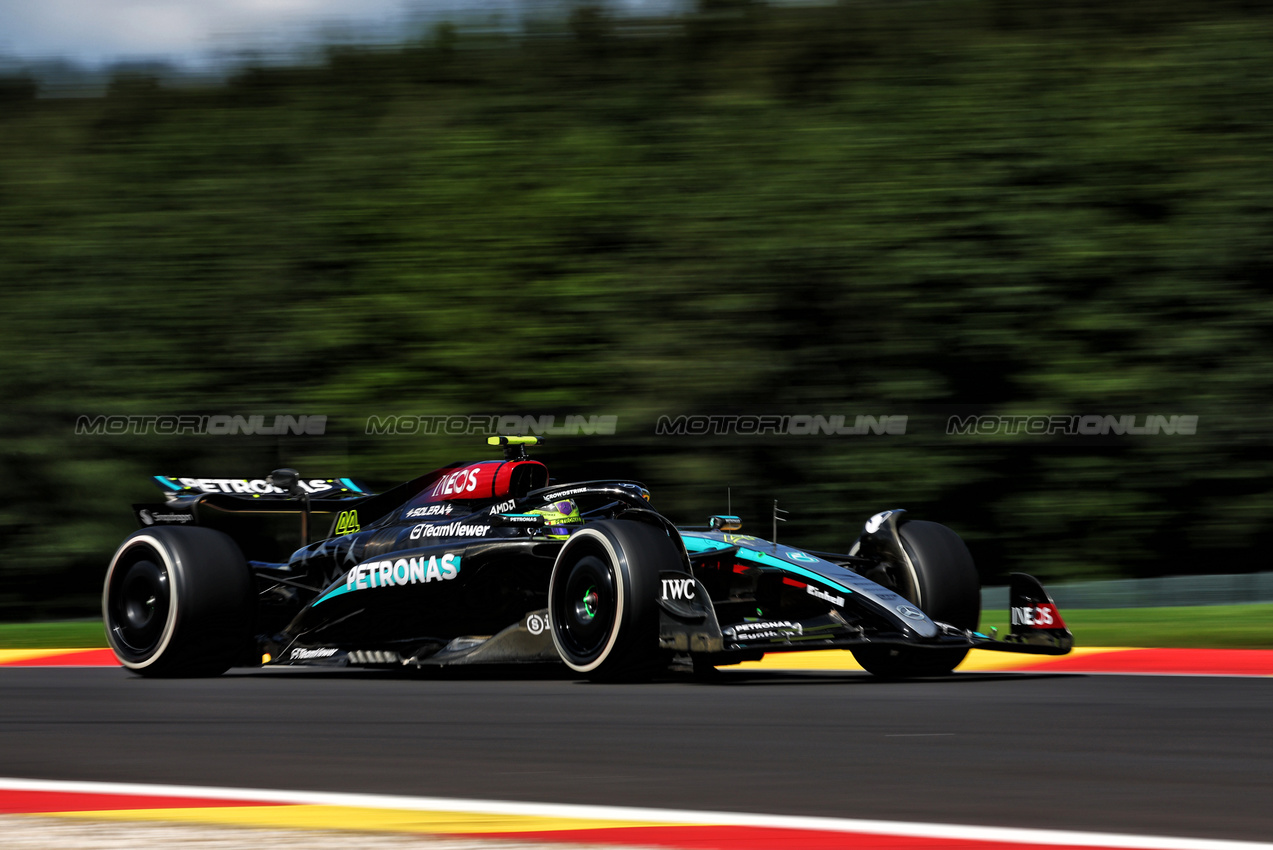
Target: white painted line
{"points": [[1043, 837]]}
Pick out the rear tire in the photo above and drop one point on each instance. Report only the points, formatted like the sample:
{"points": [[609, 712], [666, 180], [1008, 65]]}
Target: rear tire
{"points": [[602, 599], [945, 586], [178, 602]]}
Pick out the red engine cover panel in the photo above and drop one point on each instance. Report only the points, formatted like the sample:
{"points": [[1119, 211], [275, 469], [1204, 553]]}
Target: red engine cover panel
{"points": [[488, 479]]}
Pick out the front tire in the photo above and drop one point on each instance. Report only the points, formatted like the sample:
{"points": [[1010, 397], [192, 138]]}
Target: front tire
{"points": [[178, 602], [945, 586], [602, 599]]}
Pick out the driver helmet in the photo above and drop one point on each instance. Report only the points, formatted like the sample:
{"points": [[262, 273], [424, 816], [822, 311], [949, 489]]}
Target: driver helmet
{"points": [[558, 517]]}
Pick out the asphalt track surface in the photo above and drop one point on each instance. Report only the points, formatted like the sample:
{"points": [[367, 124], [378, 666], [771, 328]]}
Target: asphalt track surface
{"points": [[1160, 755]]}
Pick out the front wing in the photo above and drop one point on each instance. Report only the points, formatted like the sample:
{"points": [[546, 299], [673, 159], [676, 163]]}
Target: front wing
{"points": [[689, 624]]}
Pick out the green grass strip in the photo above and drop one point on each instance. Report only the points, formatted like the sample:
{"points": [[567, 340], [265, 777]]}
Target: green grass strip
{"points": [[67, 634], [1218, 626]]}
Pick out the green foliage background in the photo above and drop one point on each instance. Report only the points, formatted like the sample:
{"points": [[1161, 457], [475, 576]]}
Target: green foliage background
{"points": [[972, 206]]}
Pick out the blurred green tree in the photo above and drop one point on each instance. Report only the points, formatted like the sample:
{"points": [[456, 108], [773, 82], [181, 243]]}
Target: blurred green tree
{"points": [[984, 207]]}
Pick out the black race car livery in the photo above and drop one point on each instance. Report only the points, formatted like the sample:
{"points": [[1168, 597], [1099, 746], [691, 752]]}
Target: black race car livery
{"points": [[491, 562]]}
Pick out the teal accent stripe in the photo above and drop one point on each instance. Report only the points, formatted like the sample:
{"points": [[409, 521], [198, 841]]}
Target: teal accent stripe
{"points": [[707, 544], [168, 483], [771, 561], [337, 592], [763, 558], [351, 485], [704, 544]]}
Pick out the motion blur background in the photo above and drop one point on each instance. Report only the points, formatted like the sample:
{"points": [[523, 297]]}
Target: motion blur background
{"points": [[858, 208]]}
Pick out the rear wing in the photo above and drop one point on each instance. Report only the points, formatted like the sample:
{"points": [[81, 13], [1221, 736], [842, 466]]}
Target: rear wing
{"points": [[267, 521], [260, 488]]}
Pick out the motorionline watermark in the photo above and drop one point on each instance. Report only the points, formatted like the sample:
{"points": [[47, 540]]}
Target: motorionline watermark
{"points": [[1070, 426], [796, 425], [216, 425], [572, 425]]}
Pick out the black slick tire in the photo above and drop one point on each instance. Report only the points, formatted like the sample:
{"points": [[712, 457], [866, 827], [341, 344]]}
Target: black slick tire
{"points": [[602, 599], [945, 586], [178, 602]]}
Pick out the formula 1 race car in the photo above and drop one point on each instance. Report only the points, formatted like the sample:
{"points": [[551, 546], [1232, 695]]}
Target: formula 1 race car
{"points": [[489, 562]]}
